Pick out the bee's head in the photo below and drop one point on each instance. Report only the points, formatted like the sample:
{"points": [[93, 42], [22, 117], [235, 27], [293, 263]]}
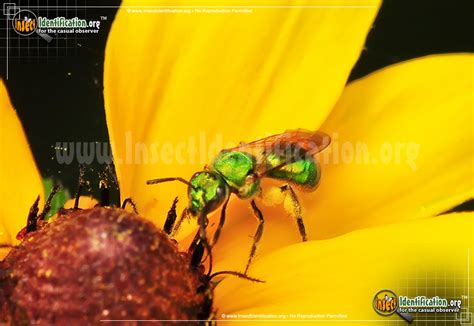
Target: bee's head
{"points": [[206, 192]]}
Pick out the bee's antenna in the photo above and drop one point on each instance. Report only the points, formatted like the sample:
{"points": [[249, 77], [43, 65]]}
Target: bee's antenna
{"points": [[160, 180], [238, 274]]}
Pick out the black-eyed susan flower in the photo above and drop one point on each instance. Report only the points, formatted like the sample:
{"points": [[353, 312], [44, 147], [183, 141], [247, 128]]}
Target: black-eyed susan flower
{"points": [[180, 86]]}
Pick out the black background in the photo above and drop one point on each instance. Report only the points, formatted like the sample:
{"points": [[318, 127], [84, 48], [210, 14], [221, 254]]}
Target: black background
{"points": [[66, 104]]}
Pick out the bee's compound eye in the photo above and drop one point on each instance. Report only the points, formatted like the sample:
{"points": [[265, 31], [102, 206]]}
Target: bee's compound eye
{"points": [[218, 198]]}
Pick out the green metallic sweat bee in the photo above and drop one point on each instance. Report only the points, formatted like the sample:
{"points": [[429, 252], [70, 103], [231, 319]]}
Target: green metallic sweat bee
{"points": [[288, 157]]}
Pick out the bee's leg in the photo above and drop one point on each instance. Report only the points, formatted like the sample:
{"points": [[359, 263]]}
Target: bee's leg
{"points": [[129, 201], [177, 225], [171, 217], [203, 237], [199, 244], [288, 190], [202, 226], [258, 234], [196, 250], [221, 223]]}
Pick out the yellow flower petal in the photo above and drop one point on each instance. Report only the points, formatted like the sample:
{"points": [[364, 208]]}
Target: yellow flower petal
{"points": [[342, 275], [423, 110], [416, 120], [182, 86], [20, 180]]}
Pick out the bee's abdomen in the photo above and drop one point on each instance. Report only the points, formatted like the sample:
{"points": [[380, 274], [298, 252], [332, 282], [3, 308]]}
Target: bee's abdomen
{"points": [[304, 173]]}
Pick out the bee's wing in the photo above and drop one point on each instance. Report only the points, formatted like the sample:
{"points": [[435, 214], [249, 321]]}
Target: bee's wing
{"points": [[312, 142]]}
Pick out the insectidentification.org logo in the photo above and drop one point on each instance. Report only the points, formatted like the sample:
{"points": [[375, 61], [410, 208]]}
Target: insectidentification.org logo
{"points": [[387, 303], [26, 22], [424, 304], [62, 22], [63, 25]]}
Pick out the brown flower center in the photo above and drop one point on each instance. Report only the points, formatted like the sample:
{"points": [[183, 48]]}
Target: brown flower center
{"points": [[96, 264]]}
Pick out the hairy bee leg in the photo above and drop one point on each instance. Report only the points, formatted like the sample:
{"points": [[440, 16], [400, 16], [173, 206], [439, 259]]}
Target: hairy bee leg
{"points": [[288, 190], [196, 250], [237, 274], [203, 238], [171, 218], [202, 226], [129, 201], [209, 252], [221, 223], [177, 225], [258, 234]]}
